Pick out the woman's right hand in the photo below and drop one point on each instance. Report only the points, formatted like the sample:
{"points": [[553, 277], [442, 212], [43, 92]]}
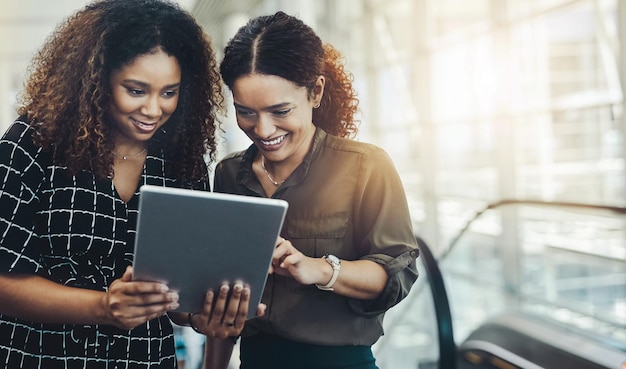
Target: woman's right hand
{"points": [[225, 316], [129, 303]]}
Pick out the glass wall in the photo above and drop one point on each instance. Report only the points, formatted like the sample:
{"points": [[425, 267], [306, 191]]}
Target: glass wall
{"points": [[482, 100]]}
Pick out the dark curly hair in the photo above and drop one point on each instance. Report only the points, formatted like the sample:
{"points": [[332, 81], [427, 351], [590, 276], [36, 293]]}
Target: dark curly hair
{"points": [[282, 45], [67, 96]]}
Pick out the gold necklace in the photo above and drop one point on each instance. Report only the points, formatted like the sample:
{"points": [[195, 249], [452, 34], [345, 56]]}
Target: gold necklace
{"points": [[275, 183], [124, 157]]}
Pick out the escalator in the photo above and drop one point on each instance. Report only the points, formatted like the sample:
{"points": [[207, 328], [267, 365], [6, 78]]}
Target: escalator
{"points": [[524, 285], [517, 341]]}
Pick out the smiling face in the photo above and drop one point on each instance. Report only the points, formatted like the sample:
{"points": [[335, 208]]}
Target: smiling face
{"points": [[276, 115], [144, 96]]}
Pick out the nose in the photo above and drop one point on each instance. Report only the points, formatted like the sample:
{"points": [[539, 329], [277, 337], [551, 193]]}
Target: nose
{"points": [[151, 106], [264, 127]]}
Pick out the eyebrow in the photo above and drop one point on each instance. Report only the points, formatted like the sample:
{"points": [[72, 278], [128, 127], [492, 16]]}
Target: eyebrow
{"points": [[146, 85], [271, 107]]}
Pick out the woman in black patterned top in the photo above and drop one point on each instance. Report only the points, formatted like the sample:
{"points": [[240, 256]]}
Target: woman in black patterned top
{"points": [[124, 93]]}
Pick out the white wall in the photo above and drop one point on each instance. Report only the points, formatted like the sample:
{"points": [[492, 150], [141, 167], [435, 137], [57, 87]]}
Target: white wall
{"points": [[24, 26]]}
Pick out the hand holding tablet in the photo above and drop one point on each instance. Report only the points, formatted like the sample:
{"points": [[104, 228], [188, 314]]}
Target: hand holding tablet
{"points": [[195, 241]]}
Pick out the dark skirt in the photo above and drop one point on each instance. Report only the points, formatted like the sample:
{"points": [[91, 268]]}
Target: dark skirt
{"points": [[269, 351]]}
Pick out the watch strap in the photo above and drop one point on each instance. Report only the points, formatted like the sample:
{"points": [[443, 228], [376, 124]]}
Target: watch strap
{"points": [[336, 268]]}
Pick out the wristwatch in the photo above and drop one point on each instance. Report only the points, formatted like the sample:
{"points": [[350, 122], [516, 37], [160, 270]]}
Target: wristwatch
{"points": [[336, 264]]}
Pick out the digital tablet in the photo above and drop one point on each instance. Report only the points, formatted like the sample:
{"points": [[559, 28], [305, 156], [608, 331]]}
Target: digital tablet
{"points": [[194, 241]]}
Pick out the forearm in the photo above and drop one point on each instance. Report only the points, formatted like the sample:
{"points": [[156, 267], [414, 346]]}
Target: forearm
{"points": [[218, 352], [359, 279], [37, 299]]}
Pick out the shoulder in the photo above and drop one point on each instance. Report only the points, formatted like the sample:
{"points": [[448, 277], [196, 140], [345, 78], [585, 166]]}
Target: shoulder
{"points": [[366, 158], [21, 161], [238, 155], [357, 148], [17, 142], [19, 131], [231, 160]]}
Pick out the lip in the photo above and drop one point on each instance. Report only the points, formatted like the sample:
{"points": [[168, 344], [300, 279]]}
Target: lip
{"points": [[272, 144], [144, 127]]}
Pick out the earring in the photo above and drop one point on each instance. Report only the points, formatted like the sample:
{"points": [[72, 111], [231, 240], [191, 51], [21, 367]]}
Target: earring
{"points": [[317, 105]]}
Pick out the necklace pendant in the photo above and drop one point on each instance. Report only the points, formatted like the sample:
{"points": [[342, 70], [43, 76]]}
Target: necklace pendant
{"points": [[267, 174], [125, 157]]}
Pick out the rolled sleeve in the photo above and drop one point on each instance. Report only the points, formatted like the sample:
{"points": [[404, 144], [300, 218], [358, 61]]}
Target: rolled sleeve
{"points": [[402, 273]]}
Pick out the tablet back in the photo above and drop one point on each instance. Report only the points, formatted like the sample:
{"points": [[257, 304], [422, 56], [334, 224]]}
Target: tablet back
{"points": [[195, 240]]}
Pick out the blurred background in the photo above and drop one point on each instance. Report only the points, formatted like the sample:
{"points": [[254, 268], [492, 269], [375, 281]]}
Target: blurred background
{"points": [[505, 120]]}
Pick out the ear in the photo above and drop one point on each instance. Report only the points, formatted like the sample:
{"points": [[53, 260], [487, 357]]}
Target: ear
{"points": [[318, 90]]}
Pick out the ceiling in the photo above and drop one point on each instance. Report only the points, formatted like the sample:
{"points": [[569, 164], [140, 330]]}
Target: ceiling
{"points": [[24, 24]]}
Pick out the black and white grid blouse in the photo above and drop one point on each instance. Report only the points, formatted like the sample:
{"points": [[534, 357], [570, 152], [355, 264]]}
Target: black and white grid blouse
{"points": [[76, 231]]}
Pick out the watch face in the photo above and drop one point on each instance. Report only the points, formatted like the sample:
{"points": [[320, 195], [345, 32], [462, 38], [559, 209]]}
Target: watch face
{"points": [[333, 260]]}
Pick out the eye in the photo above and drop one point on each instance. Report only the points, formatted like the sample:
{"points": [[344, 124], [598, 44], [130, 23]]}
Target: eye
{"points": [[282, 112], [170, 94], [244, 113], [135, 91]]}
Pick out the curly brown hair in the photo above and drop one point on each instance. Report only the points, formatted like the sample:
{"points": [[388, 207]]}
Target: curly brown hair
{"points": [[282, 45], [67, 95]]}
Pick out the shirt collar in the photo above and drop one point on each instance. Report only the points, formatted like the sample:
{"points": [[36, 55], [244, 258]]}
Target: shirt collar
{"points": [[246, 177]]}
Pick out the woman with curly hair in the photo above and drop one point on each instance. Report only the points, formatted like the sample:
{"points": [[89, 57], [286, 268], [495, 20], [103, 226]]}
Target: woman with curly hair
{"points": [[123, 93], [348, 250]]}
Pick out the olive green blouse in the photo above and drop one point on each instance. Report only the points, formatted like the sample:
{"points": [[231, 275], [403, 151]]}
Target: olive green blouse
{"points": [[345, 199]]}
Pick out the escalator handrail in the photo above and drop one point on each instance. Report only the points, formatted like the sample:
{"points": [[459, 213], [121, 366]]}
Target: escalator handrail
{"points": [[499, 352], [559, 204], [553, 204], [447, 346]]}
